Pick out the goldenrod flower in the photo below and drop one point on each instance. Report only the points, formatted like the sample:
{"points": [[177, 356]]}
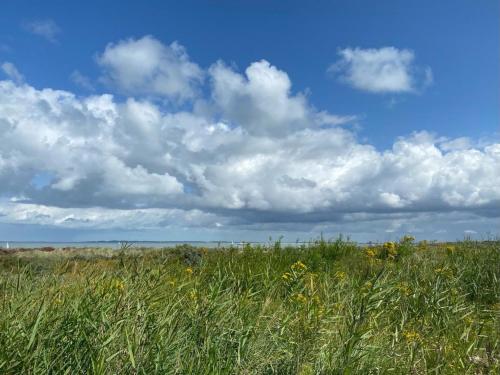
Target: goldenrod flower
{"points": [[299, 266], [366, 287], [340, 275], [443, 271], [193, 295], [412, 336], [404, 288], [299, 297], [371, 253], [389, 246], [118, 284], [468, 320], [338, 306]]}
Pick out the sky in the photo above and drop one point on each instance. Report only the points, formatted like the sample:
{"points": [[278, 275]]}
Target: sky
{"points": [[244, 120]]}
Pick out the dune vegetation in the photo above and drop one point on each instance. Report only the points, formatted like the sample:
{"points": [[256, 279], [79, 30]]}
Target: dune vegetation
{"points": [[331, 307]]}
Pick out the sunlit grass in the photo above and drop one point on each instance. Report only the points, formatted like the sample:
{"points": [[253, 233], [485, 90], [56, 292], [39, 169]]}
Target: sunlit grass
{"points": [[329, 308]]}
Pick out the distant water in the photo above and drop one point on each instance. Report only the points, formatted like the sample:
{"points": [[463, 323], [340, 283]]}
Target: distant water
{"points": [[136, 244], [107, 244]]}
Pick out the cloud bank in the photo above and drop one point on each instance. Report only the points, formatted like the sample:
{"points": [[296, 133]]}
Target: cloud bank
{"points": [[250, 154]]}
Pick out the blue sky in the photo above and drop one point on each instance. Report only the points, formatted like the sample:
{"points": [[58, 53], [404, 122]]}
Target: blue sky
{"points": [[442, 92]]}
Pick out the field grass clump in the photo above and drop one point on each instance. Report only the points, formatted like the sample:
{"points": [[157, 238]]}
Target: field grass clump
{"points": [[326, 308]]}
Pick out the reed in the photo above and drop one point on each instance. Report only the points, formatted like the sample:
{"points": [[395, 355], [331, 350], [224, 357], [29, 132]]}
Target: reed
{"points": [[331, 307]]}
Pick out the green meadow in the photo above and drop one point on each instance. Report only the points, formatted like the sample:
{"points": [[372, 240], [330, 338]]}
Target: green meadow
{"points": [[331, 307]]}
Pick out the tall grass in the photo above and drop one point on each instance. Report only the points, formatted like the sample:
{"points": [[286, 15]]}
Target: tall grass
{"points": [[327, 308]]}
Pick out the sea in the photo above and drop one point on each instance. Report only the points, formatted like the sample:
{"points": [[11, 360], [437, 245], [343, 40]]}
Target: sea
{"points": [[135, 244]]}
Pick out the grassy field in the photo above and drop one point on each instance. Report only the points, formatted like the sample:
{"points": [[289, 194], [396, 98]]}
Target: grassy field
{"points": [[328, 308]]}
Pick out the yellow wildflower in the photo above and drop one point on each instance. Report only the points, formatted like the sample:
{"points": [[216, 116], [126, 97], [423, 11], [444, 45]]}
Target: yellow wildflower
{"points": [[366, 287], [338, 306], [389, 246], [299, 266], [340, 275], [404, 288], [306, 369], [189, 271], [193, 295], [412, 336], [371, 253], [287, 276], [299, 297], [443, 271], [468, 320], [392, 252], [389, 250], [118, 284]]}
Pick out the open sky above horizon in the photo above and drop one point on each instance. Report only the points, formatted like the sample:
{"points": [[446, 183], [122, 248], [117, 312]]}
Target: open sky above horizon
{"points": [[239, 120]]}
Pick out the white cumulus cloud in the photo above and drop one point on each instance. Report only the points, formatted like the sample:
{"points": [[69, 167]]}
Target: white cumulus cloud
{"points": [[147, 66], [262, 102], [382, 70]]}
